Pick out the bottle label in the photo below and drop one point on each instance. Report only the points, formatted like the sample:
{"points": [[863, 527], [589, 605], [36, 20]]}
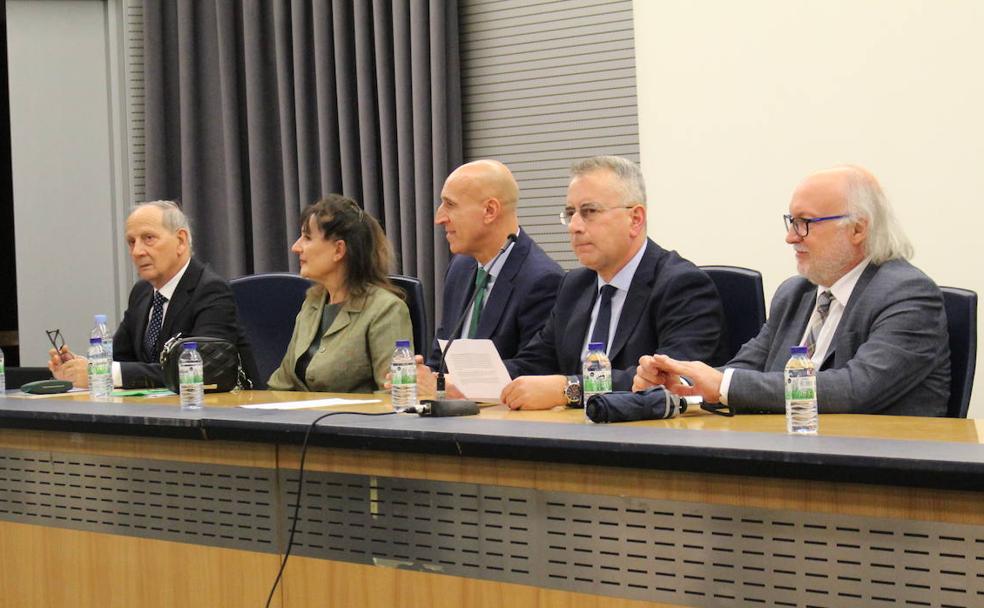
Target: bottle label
{"points": [[190, 377], [98, 369], [597, 381], [800, 388], [404, 374]]}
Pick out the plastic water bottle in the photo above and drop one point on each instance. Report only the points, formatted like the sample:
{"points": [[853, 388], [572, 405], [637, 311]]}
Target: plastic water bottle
{"points": [[597, 377], [801, 393], [191, 377], [3, 375], [403, 377], [100, 371], [101, 330]]}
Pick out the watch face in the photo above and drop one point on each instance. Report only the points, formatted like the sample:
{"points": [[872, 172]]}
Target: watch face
{"points": [[573, 392]]}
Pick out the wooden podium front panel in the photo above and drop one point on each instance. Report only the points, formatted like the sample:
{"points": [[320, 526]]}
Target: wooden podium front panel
{"points": [[46, 566]]}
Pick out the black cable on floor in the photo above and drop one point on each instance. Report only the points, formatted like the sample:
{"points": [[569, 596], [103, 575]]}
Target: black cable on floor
{"points": [[300, 487]]}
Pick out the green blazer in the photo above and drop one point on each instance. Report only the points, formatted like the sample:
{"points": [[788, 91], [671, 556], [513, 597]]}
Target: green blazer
{"points": [[356, 349]]}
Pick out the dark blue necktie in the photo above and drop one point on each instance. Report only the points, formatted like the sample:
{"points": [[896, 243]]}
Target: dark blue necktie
{"points": [[154, 329], [600, 333]]}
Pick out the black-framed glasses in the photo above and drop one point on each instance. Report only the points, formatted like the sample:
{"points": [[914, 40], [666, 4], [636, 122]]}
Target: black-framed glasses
{"points": [[588, 212], [802, 224], [56, 339]]}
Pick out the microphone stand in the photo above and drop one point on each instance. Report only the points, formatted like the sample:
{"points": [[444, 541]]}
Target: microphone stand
{"points": [[441, 405]]}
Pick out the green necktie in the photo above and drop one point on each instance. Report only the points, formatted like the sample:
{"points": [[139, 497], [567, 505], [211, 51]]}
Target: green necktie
{"points": [[481, 282]]}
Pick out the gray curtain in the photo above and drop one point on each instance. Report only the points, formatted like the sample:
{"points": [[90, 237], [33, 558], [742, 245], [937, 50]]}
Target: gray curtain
{"points": [[255, 108]]}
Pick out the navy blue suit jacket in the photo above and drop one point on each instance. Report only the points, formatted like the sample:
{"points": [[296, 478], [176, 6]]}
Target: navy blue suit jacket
{"points": [[516, 308], [672, 308], [202, 305]]}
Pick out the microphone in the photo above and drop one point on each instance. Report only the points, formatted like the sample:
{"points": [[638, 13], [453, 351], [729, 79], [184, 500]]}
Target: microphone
{"points": [[440, 405]]}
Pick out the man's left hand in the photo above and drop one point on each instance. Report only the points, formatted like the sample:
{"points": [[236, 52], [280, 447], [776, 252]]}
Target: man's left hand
{"points": [[535, 392]]}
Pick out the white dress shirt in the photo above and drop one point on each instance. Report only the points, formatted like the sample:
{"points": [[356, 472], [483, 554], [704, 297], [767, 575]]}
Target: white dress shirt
{"points": [[168, 292], [621, 282]]}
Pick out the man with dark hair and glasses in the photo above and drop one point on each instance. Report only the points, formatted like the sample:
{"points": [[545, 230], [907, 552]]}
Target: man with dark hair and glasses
{"points": [[632, 295], [873, 323]]}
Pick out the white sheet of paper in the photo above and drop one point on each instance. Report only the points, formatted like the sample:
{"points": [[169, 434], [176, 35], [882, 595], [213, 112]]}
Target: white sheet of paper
{"points": [[477, 369], [300, 405]]}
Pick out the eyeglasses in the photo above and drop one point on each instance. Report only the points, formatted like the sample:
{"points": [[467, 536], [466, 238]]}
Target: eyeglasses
{"points": [[589, 212], [802, 224], [56, 339]]}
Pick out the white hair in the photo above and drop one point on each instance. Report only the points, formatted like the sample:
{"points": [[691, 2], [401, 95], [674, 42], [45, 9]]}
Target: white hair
{"points": [[628, 173], [866, 200], [172, 217]]}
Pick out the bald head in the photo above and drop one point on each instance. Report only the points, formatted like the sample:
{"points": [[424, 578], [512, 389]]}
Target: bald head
{"points": [[488, 179], [478, 208]]}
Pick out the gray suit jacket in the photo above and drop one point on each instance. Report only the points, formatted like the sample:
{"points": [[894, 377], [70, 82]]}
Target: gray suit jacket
{"points": [[889, 355]]}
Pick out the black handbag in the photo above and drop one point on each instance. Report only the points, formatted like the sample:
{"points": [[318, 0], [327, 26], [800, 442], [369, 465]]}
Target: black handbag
{"points": [[222, 367]]}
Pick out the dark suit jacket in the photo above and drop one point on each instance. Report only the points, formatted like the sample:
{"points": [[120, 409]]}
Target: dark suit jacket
{"points": [[518, 305], [202, 305], [672, 308], [890, 353]]}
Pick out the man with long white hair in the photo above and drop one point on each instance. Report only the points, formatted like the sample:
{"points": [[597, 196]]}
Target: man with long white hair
{"points": [[873, 323]]}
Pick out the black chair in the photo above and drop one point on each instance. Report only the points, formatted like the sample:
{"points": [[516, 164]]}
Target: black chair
{"points": [[17, 377], [961, 321], [418, 310], [744, 302], [268, 304]]}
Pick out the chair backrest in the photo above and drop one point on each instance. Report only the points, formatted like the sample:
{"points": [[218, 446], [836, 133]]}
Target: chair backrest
{"points": [[418, 310], [743, 298], [268, 304], [961, 321]]}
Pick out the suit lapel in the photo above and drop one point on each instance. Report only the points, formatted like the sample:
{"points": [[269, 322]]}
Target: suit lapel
{"points": [[634, 307], [797, 327], [143, 304], [470, 270], [180, 300], [577, 328], [845, 323], [310, 324], [502, 287]]}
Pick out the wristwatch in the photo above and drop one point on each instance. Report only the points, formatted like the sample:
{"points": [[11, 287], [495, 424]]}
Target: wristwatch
{"points": [[573, 392]]}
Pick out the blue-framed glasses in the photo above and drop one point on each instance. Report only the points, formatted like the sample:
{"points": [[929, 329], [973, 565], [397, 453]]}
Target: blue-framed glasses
{"points": [[802, 224]]}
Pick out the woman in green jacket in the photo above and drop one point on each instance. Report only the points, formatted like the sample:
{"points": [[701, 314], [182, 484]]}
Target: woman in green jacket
{"points": [[345, 332]]}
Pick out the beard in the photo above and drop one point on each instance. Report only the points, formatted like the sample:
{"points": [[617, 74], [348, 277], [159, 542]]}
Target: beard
{"points": [[825, 268]]}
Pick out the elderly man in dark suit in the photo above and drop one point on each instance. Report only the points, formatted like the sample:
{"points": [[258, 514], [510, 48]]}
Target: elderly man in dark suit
{"points": [[178, 295], [632, 295], [478, 213], [874, 323]]}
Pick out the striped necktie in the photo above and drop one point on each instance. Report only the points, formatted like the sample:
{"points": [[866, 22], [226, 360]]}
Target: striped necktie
{"points": [[823, 306]]}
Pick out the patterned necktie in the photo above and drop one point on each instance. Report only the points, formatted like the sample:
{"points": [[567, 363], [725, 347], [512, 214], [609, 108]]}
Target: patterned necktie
{"points": [[154, 329], [481, 282], [823, 306], [600, 333]]}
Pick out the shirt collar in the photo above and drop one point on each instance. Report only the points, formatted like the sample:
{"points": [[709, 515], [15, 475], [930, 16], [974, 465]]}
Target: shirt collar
{"points": [[496, 268], [623, 278], [168, 289], [844, 286]]}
